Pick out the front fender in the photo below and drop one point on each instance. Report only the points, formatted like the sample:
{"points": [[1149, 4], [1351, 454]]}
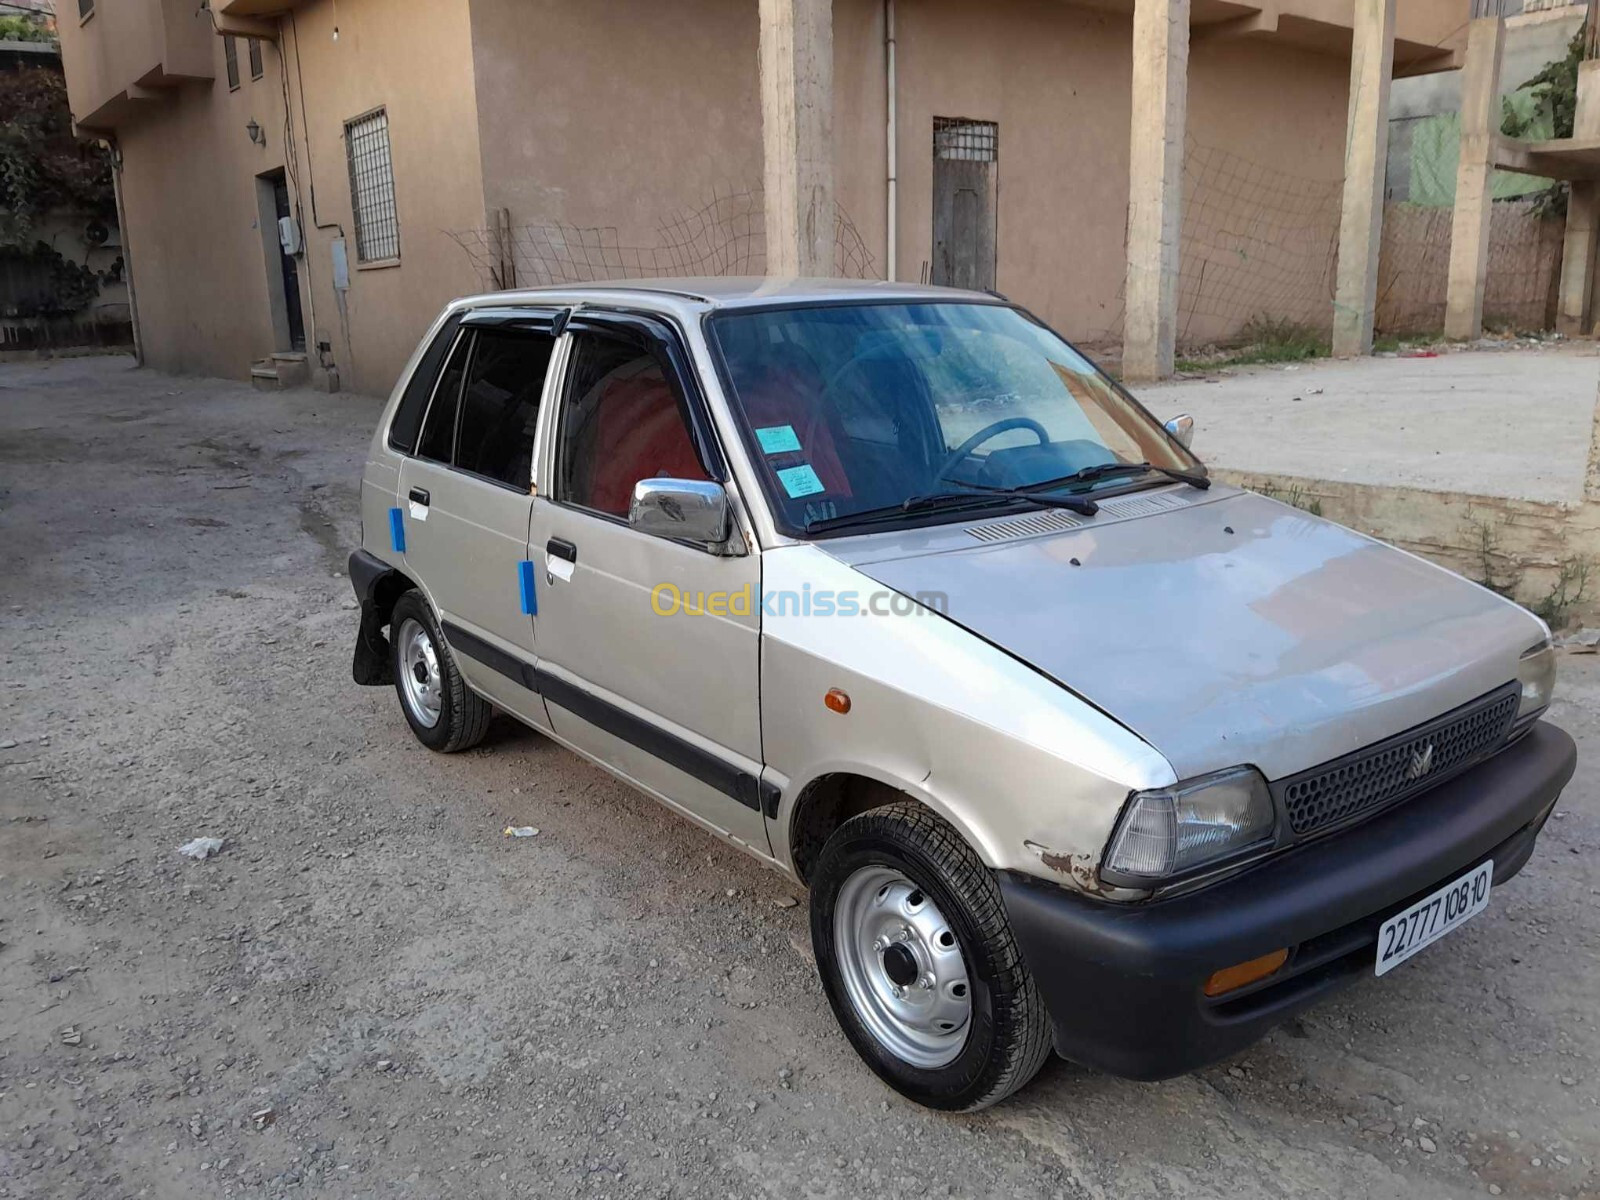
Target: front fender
{"points": [[1031, 775]]}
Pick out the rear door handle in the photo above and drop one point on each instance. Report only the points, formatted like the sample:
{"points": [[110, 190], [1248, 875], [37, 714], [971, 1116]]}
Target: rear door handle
{"points": [[561, 548], [421, 496]]}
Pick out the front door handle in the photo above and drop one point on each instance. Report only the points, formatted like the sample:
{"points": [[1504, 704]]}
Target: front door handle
{"points": [[561, 548], [421, 496]]}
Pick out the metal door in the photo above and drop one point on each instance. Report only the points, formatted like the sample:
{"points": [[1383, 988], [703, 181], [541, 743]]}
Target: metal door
{"points": [[965, 188], [669, 700], [291, 272], [466, 539]]}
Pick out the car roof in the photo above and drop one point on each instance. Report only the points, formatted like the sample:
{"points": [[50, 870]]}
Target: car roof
{"points": [[703, 293]]}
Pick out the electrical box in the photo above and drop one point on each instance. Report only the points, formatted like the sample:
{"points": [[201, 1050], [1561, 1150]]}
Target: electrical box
{"points": [[289, 235]]}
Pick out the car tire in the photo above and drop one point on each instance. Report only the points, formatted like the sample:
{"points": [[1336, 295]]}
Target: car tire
{"points": [[907, 923], [444, 713]]}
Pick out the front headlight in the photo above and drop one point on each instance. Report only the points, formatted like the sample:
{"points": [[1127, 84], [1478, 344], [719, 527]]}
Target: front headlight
{"points": [[1170, 831], [1537, 672]]}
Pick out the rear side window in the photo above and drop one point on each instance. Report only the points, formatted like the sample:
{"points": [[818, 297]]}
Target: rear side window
{"points": [[414, 401], [625, 420], [439, 433], [500, 405]]}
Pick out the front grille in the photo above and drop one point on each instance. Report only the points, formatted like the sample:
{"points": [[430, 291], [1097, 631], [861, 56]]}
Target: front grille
{"points": [[1373, 778]]}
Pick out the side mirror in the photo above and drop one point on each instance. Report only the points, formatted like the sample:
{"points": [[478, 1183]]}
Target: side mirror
{"points": [[1182, 429], [689, 510]]}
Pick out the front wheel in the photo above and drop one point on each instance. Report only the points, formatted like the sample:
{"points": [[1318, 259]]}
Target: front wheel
{"points": [[919, 962]]}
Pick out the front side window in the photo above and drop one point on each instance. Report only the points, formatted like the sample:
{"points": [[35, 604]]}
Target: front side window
{"points": [[366, 142], [625, 419], [230, 59], [855, 409], [500, 405], [256, 69]]}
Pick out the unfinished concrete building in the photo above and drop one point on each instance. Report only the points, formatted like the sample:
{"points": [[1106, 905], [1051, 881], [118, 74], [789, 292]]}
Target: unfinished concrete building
{"points": [[306, 183]]}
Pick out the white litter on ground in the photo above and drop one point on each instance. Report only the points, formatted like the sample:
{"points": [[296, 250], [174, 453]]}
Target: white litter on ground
{"points": [[521, 831], [201, 847]]}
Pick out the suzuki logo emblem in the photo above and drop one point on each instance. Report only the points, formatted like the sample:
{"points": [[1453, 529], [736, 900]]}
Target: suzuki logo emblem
{"points": [[1421, 762]]}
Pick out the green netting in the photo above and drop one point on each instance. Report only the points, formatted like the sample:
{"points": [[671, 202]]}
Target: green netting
{"points": [[1436, 152]]}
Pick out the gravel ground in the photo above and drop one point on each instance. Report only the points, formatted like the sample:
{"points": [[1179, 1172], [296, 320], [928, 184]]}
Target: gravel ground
{"points": [[370, 992]]}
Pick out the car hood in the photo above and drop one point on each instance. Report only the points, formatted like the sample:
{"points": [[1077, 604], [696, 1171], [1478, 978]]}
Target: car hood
{"points": [[1225, 628]]}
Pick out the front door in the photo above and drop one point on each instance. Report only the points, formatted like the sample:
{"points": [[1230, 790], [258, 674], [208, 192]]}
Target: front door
{"points": [[965, 190], [291, 271], [668, 699], [466, 502]]}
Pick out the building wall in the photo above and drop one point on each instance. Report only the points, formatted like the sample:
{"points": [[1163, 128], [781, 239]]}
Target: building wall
{"points": [[188, 190], [413, 57], [1265, 147], [201, 264]]}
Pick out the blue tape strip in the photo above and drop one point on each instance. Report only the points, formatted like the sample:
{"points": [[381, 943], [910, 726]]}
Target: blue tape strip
{"points": [[530, 597], [397, 531]]}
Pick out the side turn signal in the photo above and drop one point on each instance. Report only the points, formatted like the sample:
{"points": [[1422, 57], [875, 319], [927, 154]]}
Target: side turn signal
{"points": [[837, 700]]}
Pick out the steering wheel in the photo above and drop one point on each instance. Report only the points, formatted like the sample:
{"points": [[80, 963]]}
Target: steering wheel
{"points": [[994, 430]]}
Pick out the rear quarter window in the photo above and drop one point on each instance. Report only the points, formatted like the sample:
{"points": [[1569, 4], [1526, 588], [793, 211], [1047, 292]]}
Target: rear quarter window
{"points": [[407, 421]]}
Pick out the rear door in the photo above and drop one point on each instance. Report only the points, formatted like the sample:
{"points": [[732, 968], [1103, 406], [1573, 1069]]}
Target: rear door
{"points": [[669, 700], [466, 498]]}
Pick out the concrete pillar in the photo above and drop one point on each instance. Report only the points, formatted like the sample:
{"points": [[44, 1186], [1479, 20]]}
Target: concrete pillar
{"points": [[1155, 186], [1469, 225], [1574, 308], [1366, 150], [797, 135]]}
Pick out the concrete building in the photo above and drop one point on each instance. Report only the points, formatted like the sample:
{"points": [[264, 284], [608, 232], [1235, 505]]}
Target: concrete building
{"points": [[1041, 147]]}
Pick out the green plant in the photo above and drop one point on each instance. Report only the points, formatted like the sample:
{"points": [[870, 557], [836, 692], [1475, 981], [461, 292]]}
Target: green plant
{"points": [[62, 287], [1572, 581], [1555, 104], [1294, 495], [42, 166], [1263, 339], [25, 29]]}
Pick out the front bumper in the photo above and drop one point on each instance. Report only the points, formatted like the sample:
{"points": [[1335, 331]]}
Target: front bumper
{"points": [[1123, 982]]}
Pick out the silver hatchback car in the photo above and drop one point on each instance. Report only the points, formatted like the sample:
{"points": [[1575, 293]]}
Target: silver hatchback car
{"points": [[1074, 746]]}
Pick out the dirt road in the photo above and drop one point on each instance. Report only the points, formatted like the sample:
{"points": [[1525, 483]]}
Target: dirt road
{"points": [[370, 992]]}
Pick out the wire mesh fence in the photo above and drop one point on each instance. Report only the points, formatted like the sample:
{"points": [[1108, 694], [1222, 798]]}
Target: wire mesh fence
{"points": [[726, 236], [1255, 241], [1414, 266]]}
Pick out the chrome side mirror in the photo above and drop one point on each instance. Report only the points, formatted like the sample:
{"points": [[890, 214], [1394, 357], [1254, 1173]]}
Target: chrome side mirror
{"points": [[689, 510], [1182, 429]]}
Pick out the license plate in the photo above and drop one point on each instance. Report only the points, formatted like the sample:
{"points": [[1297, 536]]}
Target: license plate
{"points": [[1428, 920]]}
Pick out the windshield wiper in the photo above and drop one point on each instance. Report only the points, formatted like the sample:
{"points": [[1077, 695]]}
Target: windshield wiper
{"points": [[928, 503], [1111, 470], [1032, 493]]}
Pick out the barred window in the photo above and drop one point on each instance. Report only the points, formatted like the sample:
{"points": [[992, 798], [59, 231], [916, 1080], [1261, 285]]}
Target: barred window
{"points": [[255, 58], [230, 55], [366, 141]]}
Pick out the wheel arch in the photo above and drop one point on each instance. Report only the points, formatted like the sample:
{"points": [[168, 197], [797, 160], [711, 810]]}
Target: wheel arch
{"points": [[832, 797]]}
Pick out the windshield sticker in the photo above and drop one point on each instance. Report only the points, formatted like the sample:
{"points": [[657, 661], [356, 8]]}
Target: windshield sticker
{"points": [[800, 481], [778, 439]]}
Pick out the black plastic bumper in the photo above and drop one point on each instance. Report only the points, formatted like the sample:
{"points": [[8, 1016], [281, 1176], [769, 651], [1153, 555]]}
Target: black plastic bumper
{"points": [[1123, 982]]}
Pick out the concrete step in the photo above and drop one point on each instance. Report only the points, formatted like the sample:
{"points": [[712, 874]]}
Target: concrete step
{"points": [[283, 369]]}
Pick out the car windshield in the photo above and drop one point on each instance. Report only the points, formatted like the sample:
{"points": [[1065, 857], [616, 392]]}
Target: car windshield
{"points": [[855, 409]]}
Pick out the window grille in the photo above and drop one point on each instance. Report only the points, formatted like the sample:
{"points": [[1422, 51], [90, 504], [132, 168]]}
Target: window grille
{"points": [[366, 141], [255, 58], [966, 140], [230, 55]]}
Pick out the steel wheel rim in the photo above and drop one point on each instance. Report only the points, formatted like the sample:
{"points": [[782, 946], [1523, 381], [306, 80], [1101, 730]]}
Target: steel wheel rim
{"points": [[902, 967], [419, 673]]}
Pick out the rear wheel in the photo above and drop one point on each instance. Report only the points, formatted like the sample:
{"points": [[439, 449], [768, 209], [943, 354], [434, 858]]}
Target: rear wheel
{"points": [[919, 962], [444, 713]]}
